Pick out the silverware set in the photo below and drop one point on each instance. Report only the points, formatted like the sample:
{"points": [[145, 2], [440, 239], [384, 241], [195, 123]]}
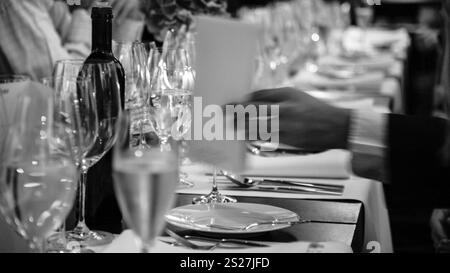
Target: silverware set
{"points": [[188, 241], [284, 185]]}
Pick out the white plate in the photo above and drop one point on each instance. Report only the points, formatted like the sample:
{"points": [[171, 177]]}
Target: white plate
{"points": [[237, 215]]}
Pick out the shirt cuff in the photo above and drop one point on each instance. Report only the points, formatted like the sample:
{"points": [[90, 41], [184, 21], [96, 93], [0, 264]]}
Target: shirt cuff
{"points": [[368, 133]]}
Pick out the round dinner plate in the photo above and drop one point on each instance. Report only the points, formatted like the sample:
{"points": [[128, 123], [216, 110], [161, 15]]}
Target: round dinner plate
{"points": [[230, 218]]}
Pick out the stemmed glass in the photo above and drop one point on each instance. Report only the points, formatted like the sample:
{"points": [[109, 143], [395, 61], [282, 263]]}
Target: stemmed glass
{"points": [[133, 56], [97, 107], [67, 68], [38, 174], [144, 181], [170, 102], [63, 77], [214, 196]]}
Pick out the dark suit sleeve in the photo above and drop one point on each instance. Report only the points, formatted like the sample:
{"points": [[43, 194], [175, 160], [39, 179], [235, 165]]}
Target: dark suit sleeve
{"points": [[418, 175]]}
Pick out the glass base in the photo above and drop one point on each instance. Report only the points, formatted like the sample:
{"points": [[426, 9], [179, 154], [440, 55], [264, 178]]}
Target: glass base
{"points": [[56, 243], [213, 197], [89, 238]]}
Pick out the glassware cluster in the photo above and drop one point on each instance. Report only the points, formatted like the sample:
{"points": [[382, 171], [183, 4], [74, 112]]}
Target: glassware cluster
{"points": [[295, 34]]}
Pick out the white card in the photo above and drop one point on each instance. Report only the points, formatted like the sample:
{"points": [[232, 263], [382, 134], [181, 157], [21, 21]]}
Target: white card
{"points": [[225, 64]]}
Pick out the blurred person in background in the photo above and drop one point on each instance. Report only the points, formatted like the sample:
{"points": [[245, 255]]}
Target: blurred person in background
{"points": [[37, 33]]}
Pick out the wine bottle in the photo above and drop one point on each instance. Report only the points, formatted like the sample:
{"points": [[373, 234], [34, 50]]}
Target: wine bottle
{"points": [[102, 211], [102, 16]]}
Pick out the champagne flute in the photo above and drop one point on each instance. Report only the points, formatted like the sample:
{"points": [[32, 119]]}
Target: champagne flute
{"points": [[98, 106], [145, 181], [38, 174]]}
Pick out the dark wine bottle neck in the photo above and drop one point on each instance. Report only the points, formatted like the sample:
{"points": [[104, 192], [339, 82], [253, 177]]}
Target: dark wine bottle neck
{"points": [[102, 35]]}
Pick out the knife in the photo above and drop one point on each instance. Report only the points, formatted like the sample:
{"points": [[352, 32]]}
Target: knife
{"points": [[296, 189], [224, 241], [305, 184]]}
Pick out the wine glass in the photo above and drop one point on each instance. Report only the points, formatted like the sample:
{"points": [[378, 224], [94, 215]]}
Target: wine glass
{"points": [[67, 68], [145, 181], [38, 176], [171, 97], [97, 107], [133, 56], [64, 74]]}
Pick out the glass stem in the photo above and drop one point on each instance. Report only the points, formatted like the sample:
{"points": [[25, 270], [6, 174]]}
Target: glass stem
{"points": [[214, 188], [81, 226], [142, 141], [145, 247], [165, 146]]}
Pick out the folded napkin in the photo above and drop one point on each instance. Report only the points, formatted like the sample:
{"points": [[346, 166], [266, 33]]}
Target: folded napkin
{"points": [[370, 81], [330, 164], [383, 38], [127, 242], [374, 40], [344, 99], [380, 62]]}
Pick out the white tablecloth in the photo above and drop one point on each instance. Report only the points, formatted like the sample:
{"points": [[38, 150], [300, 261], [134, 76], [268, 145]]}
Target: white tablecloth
{"points": [[127, 242]]}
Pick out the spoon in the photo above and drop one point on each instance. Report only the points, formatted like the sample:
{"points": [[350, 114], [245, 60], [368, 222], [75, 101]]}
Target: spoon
{"points": [[300, 186]]}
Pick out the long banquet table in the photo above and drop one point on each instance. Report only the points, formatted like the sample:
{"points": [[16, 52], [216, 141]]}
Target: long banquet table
{"points": [[360, 213], [359, 217]]}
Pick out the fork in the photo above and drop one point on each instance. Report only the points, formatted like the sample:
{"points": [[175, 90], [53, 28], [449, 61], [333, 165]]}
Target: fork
{"points": [[188, 243], [226, 241]]}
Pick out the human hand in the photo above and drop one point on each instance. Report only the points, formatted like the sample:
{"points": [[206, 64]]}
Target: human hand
{"points": [[426, 38], [305, 121], [440, 228]]}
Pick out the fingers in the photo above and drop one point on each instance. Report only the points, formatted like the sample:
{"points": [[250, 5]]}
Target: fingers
{"points": [[439, 222], [275, 95]]}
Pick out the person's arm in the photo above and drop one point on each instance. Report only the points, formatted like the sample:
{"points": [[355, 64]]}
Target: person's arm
{"points": [[412, 151], [410, 148], [367, 142], [30, 40], [74, 28]]}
